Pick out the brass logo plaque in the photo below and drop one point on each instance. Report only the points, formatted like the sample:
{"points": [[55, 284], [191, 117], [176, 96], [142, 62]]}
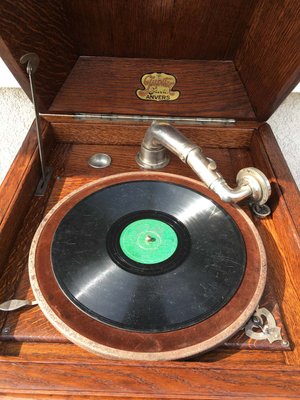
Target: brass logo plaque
{"points": [[158, 87]]}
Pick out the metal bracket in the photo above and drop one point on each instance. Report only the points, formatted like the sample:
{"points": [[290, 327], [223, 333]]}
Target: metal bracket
{"points": [[33, 62], [262, 326], [14, 304], [43, 183]]}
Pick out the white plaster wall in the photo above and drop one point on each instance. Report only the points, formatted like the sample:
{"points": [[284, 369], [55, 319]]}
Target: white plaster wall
{"points": [[285, 123], [16, 116]]}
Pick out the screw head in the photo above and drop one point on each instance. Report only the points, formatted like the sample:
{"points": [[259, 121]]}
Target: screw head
{"points": [[6, 330], [285, 343]]}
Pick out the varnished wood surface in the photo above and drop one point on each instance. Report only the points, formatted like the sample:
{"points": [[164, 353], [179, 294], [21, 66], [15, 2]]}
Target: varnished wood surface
{"points": [[54, 352], [108, 85], [167, 381], [18, 187], [40, 27], [183, 29], [268, 59], [282, 243], [265, 138], [14, 177], [90, 131], [260, 38], [26, 216]]}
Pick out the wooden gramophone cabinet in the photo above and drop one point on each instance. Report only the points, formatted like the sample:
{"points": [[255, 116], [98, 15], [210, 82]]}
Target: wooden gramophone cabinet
{"points": [[232, 60]]}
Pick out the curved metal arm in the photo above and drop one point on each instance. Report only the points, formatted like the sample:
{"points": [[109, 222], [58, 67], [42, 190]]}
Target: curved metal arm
{"points": [[160, 136]]}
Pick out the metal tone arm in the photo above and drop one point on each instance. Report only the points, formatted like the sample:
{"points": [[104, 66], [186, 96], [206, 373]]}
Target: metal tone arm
{"points": [[251, 182]]}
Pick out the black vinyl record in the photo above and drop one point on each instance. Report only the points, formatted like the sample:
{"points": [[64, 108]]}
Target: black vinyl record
{"points": [[148, 256]]}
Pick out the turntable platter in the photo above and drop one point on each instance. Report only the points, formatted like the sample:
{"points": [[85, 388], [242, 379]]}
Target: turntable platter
{"points": [[147, 266]]}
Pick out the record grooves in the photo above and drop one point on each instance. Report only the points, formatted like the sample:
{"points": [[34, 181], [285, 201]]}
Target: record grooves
{"points": [[192, 284]]}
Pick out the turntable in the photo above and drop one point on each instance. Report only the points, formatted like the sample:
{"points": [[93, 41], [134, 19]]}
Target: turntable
{"points": [[149, 266], [141, 220]]}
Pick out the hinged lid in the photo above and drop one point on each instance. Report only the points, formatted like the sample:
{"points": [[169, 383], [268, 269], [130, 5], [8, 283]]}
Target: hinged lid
{"points": [[230, 59]]}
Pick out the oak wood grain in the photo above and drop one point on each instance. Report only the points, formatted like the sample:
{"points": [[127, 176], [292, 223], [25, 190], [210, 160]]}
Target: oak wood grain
{"points": [[19, 186], [54, 352], [282, 243], [147, 380], [159, 28], [268, 59], [13, 178], [20, 225], [29, 26], [129, 133], [260, 37], [108, 85], [281, 171]]}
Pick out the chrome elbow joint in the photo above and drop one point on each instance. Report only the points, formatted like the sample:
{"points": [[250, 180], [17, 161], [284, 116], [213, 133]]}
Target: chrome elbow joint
{"points": [[251, 182], [159, 137]]}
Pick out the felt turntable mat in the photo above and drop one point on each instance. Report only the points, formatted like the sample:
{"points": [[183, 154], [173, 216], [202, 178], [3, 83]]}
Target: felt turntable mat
{"points": [[148, 256]]}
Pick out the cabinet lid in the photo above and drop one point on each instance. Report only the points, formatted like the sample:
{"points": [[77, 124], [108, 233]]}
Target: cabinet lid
{"points": [[229, 59]]}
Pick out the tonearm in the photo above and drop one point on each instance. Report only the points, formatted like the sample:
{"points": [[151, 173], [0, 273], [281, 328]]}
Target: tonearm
{"points": [[251, 182]]}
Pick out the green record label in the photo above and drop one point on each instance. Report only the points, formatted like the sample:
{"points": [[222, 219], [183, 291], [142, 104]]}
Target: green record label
{"points": [[148, 241]]}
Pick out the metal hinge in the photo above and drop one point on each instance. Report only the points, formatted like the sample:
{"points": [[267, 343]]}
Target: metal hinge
{"points": [[145, 118]]}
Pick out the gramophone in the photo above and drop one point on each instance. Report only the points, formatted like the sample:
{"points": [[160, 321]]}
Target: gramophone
{"points": [[149, 223]]}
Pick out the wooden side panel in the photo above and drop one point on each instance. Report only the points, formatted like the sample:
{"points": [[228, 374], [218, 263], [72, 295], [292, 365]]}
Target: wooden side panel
{"points": [[108, 85], [150, 381], [21, 223], [18, 188], [269, 59], [207, 29], [284, 178], [40, 27], [281, 239], [82, 131]]}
